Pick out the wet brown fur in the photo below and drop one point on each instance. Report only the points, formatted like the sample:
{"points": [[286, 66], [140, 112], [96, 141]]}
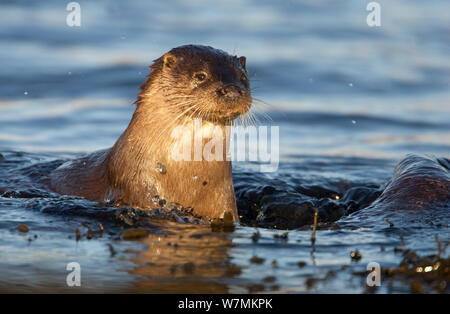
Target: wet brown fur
{"points": [[418, 183], [127, 174]]}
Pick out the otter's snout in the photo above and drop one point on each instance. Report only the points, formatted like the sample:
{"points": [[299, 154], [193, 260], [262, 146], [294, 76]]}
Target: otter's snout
{"points": [[230, 91]]}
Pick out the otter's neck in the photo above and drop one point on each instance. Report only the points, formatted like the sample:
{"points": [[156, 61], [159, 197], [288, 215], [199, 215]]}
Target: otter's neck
{"points": [[153, 157]]}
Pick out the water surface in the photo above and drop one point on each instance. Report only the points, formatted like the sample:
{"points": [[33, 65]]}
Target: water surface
{"points": [[350, 101]]}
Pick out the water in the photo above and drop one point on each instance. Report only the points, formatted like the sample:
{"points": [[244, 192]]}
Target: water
{"points": [[350, 102]]}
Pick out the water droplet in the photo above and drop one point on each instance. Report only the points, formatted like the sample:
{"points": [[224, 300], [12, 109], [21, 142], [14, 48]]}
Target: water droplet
{"points": [[25, 93], [160, 168], [108, 202], [353, 121]]}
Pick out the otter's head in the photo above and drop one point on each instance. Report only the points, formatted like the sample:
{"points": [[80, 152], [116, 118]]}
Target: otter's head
{"points": [[200, 82]]}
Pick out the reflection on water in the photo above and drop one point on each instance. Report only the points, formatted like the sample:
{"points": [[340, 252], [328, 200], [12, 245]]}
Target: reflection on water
{"points": [[185, 258]]}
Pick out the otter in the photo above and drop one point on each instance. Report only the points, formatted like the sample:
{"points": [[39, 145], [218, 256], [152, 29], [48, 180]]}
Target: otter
{"points": [[187, 83]]}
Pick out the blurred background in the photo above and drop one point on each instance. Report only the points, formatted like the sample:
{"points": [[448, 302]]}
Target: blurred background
{"points": [[350, 100], [350, 89]]}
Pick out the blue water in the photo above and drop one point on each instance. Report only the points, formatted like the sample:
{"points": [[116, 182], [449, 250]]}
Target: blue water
{"points": [[350, 100]]}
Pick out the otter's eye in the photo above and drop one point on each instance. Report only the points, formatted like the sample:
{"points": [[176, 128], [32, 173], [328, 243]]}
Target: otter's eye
{"points": [[200, 76]]}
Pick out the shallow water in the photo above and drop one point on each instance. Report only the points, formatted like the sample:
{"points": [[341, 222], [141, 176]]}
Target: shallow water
{"points": [[350, 101]]}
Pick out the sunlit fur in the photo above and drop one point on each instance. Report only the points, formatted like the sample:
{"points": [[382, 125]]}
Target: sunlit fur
{"points": [[187, 82], [184, 94]]}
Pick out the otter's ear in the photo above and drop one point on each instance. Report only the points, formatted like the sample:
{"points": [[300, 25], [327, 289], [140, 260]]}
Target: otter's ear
{"points": [[169, 61], [242, 61]]}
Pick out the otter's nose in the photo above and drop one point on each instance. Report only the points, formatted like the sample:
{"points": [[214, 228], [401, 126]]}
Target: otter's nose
{"points": [[231, 91]]}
